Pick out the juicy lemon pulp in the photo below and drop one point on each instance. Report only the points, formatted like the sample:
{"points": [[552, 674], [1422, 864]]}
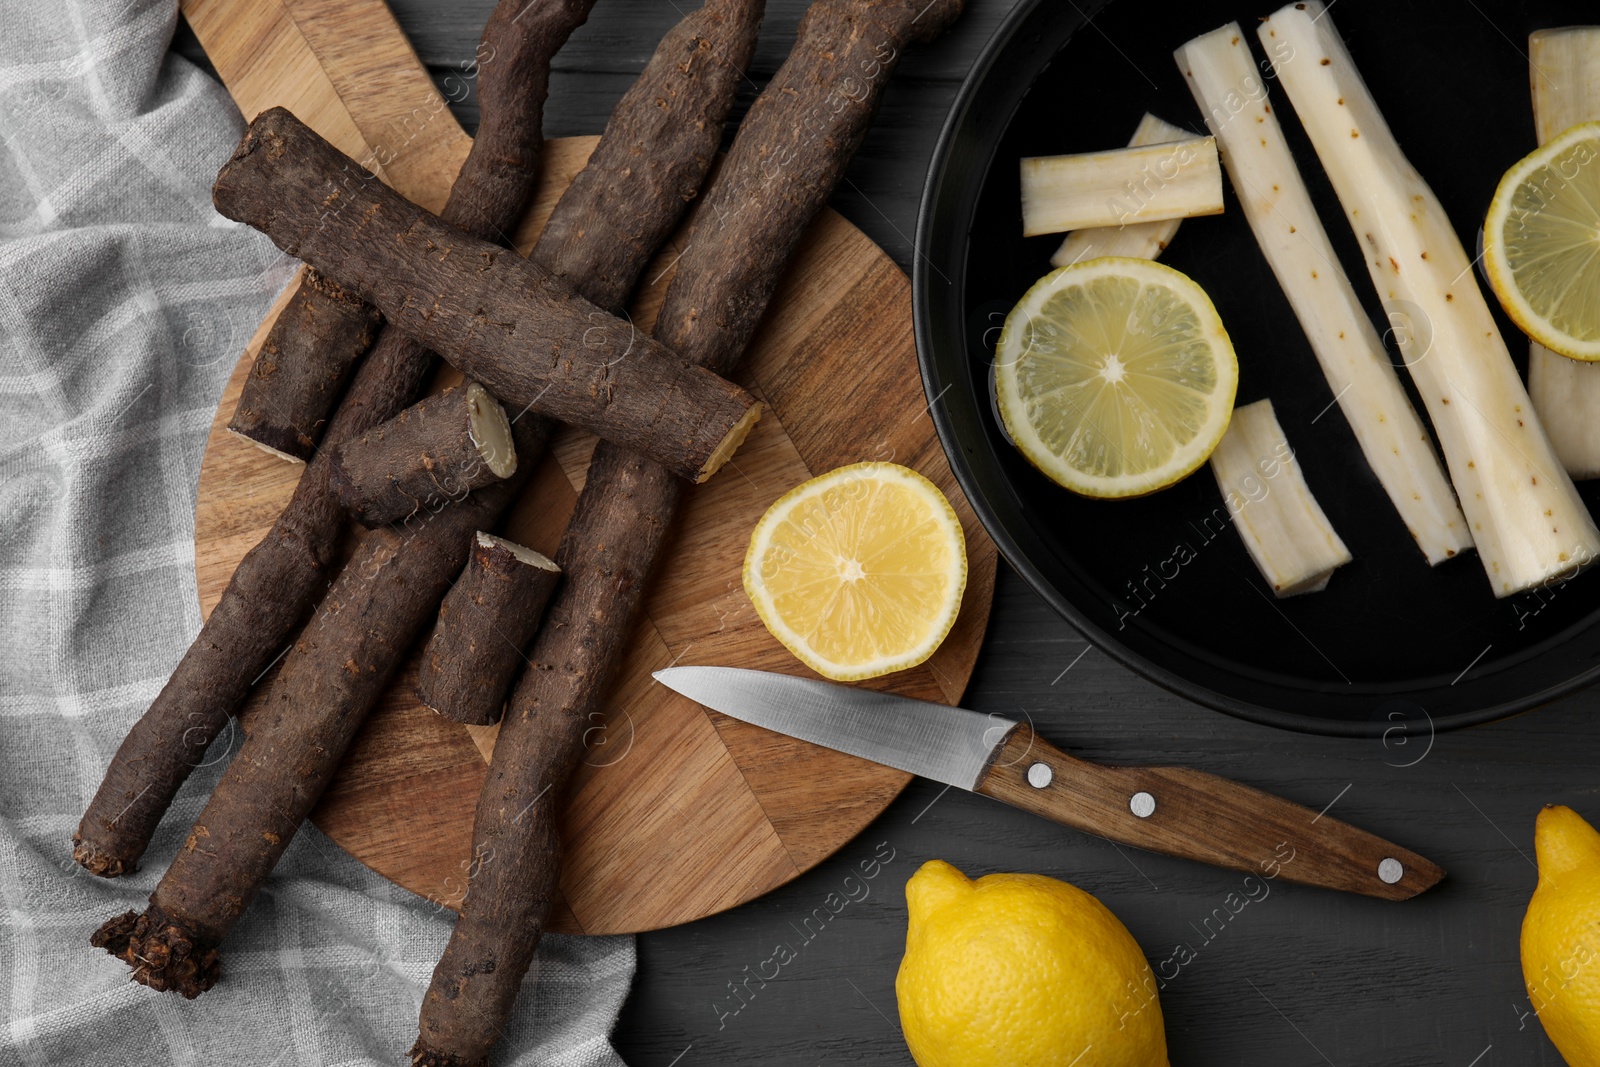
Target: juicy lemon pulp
{"points": [[1115, 376], [1542, 243], [858, 572]]}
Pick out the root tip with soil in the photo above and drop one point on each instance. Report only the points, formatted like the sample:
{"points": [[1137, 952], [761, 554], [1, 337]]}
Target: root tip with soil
{"points": [[162, 953]]}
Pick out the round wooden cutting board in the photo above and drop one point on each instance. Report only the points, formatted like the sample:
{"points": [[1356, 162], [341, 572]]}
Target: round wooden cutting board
{"points": [[677, 812]]}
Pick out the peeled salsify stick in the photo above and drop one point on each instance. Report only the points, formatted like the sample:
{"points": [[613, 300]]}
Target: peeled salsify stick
{"points": [[811, 118], [497, 317], [279, 580], [437, 450], [1564, 70], [1280, 522], [380, 602], [1137, 240], [1526, 518], [1121, 186], [1223, 77]]}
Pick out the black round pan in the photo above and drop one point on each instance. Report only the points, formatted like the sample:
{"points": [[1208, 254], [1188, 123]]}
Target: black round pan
{"points": [[1391, 643]]}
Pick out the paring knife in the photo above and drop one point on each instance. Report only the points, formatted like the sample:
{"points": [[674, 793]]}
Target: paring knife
{"points": [[1173, 810]]}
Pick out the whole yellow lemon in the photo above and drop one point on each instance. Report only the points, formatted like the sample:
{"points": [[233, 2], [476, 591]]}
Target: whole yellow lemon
{"points": [[1561, 935], [1020, 970]]}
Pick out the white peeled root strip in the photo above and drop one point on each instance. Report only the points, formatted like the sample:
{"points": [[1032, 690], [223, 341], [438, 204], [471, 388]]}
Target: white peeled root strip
{"points": [[1564, 70], [1222, 74], [1280, 522], [1566, 394], [1122, 186], [1525, 515], [1136, 240]]}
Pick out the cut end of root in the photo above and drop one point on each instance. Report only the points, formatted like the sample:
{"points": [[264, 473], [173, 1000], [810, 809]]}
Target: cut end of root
{"points": [[490, 430], [422, 1056], [279, 452], [523, 553], [97, 862], [163, 954], [730, 444]]}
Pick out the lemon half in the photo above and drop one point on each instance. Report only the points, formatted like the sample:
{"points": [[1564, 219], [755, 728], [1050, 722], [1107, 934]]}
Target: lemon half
{"points": [[1541, 243], [1115, 376], [858, 572]]}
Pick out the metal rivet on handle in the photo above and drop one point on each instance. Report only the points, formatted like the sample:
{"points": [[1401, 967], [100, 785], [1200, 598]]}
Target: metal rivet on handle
{"points": [[1142, 804], [1039, 775], [1391, 871]]}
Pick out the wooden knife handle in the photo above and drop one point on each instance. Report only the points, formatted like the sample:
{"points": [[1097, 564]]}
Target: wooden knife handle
{"points": [[1200, 816]]}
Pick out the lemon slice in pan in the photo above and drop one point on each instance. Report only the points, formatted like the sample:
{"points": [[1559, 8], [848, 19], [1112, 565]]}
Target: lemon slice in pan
{"points": [[1541, 243], [1115, 376]]}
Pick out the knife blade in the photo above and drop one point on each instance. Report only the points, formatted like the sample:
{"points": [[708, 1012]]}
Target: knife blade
{"points": [[1173, 810]]}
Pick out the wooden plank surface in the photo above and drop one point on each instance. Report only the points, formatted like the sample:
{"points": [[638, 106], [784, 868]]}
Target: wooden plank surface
{"points": [[1305, 978]]}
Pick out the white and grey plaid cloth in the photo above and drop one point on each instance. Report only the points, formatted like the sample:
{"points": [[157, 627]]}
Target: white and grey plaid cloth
{"points": [[124, 300]]}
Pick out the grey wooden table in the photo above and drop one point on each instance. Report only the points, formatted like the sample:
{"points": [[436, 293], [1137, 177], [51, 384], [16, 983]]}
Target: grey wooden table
{"points": [[1301, 977]]}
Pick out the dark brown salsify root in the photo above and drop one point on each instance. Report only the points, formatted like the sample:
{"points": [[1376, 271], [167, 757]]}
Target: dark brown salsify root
{"points": [[811, 117], [657, 149], [658, 146], [302, 367], [499, 318], [438, 449], [304, 735], [265, 601], [329, 681], [541, 739], [467, 669], [800, 134], [163, 952], [276, 584]]}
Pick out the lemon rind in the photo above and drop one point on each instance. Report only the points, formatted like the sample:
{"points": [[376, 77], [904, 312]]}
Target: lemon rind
{"points": [[1501, 278]]}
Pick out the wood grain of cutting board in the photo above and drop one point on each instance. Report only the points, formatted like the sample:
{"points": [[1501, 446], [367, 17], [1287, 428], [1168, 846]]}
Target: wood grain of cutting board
{"points": [[677, 812]]}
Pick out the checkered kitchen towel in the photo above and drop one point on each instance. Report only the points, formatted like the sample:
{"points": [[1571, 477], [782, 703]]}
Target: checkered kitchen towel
{"points": [[124, 299]]}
